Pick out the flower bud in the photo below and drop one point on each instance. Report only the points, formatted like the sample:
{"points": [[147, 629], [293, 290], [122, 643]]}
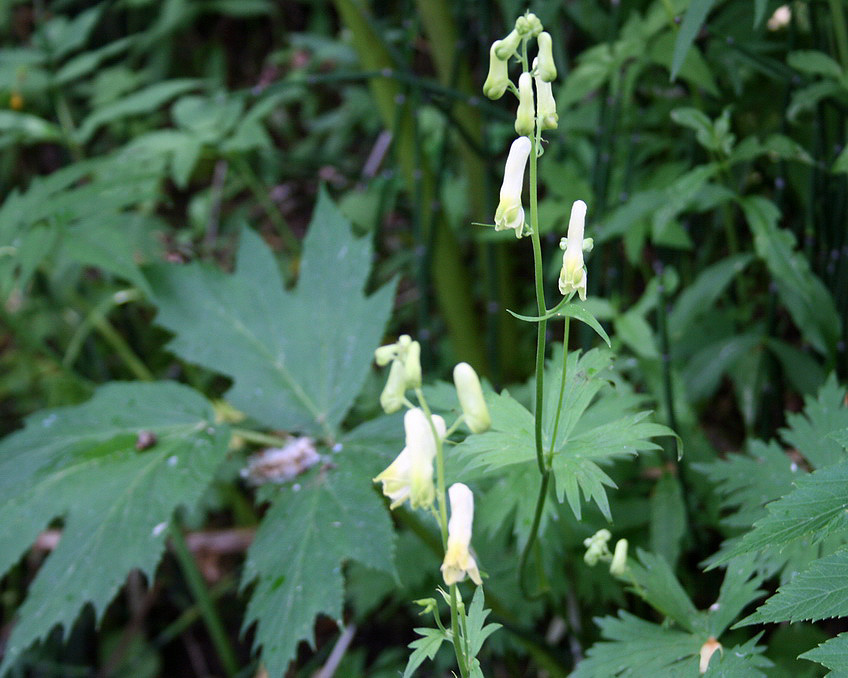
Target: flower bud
{"points": [[385, 354], [707, 651], [412, 365], [510, 213], [471, 398], [572, 277], [505, 48], [525, 117], [546, 69], [596, 547], [545, 104], [529, 25], [498, 78], [391, 399], [618, 566]]}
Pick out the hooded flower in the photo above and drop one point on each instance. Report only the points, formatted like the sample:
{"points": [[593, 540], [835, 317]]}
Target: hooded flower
{"points": [[410, 475], [572, 277], [545, 103], [458, 559], [498, 78], [471, 398], [510, 213]]}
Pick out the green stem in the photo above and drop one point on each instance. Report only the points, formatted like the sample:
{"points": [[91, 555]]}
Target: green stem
{"points": [[195, 582], [561, 390], [541, 306], [259, 438], [534, 531], [441, 499]]}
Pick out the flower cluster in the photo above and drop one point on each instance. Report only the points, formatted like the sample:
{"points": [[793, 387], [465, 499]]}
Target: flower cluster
{"points": [[410, 477], [597, 549], [536, 114]]}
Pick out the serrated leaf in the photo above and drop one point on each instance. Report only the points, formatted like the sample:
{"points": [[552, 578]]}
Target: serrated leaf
{"points": [[806, 298], [298, 358], [476, 626], [296, 559], [819, 592], [813, 510], [590, 432], [741, 661], [833, 654], [81, 463], [634, 647], [812, 432], [739, 588], [423, 648]]}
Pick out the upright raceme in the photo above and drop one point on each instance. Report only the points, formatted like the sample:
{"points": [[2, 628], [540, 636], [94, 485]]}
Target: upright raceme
{"points": [[410, 475], [458, 559], [510, 213]]}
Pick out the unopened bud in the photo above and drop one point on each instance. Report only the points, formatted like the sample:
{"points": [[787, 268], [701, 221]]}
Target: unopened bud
{"points": [[384, 354], [412, 365], [498, 78], [546, 69], [505, 48], [545, 104], [391, 399], [529, 25], [525, 117], [618, 566], [471, 398]]}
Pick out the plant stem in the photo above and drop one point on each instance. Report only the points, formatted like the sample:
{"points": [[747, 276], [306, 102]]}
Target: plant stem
{"points": [[550, 457], [534, 530], [195, 582], [441, 499], [541, 308]]}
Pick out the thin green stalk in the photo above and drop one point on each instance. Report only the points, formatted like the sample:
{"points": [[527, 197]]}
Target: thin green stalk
{"points": [[534, 530], [561, 390], [541, 308], [441, 499], [194, 579]]}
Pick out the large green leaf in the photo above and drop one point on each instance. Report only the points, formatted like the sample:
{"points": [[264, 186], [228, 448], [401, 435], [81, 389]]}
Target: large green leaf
{"points": [[311, 528], [81, 464], [592, 430], [819, 592], [833, 654], [813, 432], [297, 358]]}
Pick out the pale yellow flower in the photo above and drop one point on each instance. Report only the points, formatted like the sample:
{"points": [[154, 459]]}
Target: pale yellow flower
{"points": [[510, 213], [471, 398], [572, 277], [410, 475], [458, 559]]}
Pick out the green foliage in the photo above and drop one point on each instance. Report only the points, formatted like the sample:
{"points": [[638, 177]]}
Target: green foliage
{"points": [[297, 376], [117, 501], [330, 516]]}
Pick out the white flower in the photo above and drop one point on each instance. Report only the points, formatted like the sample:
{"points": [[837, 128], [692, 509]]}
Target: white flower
{"points": [[458, 559], [471, 398], [572, 277], [525, 117], [510, 213], [780, 19], [410, 475]]}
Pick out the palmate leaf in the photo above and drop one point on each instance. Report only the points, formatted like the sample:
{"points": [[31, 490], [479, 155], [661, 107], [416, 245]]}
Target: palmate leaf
{"points": [[815, 510], [296, 560], [593, 430], [816, 433], [297, 358], [819, 592], [81, 463], [833, 654]]}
